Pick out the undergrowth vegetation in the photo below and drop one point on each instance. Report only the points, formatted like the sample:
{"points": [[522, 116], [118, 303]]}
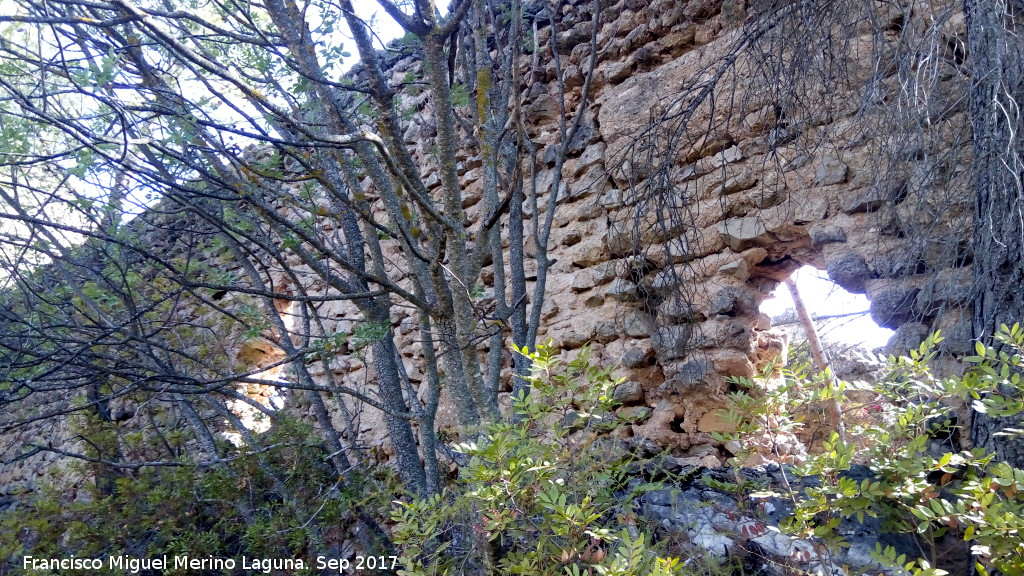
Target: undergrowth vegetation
{"points": [[923, 479], [555, 490], [280, 503], [548, 493]]}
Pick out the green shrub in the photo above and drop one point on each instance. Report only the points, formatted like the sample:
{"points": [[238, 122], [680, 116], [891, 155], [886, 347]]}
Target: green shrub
{"points": [[283, 502], [542, 495], [916, 487]]}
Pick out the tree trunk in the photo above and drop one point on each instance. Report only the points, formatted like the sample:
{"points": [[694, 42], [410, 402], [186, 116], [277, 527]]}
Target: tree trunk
{"points": [[996, 66], [821, 363]]}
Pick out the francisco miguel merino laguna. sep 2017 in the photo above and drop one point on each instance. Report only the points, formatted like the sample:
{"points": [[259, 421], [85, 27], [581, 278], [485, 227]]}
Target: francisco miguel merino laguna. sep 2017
{"points": [[132, 565]]}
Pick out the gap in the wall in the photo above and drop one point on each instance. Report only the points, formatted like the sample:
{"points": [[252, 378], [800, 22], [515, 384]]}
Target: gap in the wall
{"points": [[840, 317]]}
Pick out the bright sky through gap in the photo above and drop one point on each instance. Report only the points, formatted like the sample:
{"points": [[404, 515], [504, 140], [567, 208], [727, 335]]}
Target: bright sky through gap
{"points": [[384, 27], [825, 298]]}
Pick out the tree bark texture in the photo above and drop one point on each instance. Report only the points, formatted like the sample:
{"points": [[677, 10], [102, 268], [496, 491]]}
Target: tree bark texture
{"points": [[996, 67]]}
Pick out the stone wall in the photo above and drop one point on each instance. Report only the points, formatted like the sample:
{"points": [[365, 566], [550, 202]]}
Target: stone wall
{"points": [[52, 416], [674, 302]]}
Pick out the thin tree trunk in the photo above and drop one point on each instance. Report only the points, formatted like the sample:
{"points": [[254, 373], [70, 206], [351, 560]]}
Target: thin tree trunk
{"points": [[835, 411]]}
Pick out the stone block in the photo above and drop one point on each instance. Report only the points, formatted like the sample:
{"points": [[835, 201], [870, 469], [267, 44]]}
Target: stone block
{"points": [[678, 39], [634, 414], [542, 110], [637, 323], [823, 233], [549, 310], [572, 338], [636, 357], [593, 181], [662, 428], [742, 233], [606, 332], [666, 281], [716, 421], [569, 39], [897, 263], [906, 338], [672, 342], [590, 251], [873, 198], [733, 363], [790, 221], [622, 290], [772, 347], [735, 333], [572, 77], [733, 301], [586, 135], [614, 72], [583, 281], [831, 171], [612, 198], [677, 309], [622, 239], [593, 155], [745, 181], [894, 305], [692, 375], [603, 272], [638, 36], [629, 392], [738, 269], [950, 287], [766, 196], [949, 250], [572, 237], [958, 336], [849, 270]]}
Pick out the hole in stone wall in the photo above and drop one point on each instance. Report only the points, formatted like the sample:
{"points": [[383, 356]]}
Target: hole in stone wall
{"points": [[677, 425], [731, 386], [841, 318]]}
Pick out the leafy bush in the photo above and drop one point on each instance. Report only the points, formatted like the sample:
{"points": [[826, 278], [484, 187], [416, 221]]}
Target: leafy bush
{"points": [[551, 492], [283, 502], [541, 495], [922, 482]]}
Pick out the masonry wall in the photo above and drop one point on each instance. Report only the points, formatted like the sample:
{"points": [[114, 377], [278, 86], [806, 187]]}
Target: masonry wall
{"points": [[674, 302]]}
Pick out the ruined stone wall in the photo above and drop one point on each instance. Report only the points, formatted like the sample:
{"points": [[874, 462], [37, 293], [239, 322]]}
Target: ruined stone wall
{"points": [[675, 304], [55, 413], [763, 197]]}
